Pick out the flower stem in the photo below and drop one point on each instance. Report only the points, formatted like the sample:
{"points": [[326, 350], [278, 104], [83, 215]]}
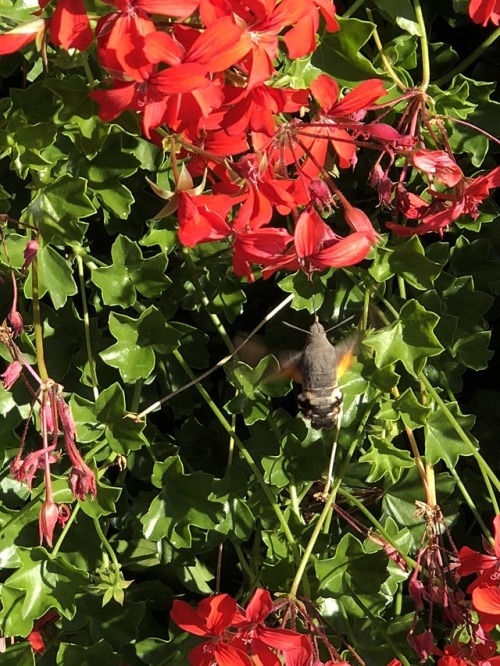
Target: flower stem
{"points": [[107, 546], [245, 453], [323, 516], [470, 502], [467, 62], [195, 280], [483, 465], [388, 67], [65, 530], [353, 9], [424, 45], [37, 322], [86, 325]]}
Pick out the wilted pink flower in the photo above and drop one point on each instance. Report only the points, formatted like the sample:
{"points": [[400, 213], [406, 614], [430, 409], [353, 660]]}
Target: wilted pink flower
{"points": [[16, 321], [11, 374], [24, 469], [29, 253]]}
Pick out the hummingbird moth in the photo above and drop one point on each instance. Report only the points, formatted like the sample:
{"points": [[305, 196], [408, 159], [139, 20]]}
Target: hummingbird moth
{"points": [[318, 367]]}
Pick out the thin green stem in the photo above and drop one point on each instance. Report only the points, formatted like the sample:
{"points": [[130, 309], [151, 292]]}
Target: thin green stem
{"points": [[357, 503], [136, 397], [37, 322], [65, 530], [322, 518], [385, 60], [380, 626], [195, 280], [243, 563], [424, 46], [470, 502], [467, 62], [483, 465], [245, 453], [353, 9], [86, 326], [88, 72], [292, 489], [107, 546], [402, 287]]}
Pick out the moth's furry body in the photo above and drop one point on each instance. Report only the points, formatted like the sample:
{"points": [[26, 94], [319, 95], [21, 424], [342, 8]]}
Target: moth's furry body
{"points": [[318, 367], [320, 400]]}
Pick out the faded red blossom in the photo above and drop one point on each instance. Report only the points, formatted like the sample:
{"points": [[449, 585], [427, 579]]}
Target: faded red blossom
{"points": [[24, 469], [16, 321], [437, 163], [29, 253], [82, 479], [11, 374]]}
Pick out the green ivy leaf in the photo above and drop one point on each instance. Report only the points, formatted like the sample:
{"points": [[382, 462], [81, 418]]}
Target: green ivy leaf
{"points": [[308, 294], [55, 277], [70, 654], [442, 442], [340, 53], [108, 415], [402, 13], [137, 339], [385, 459], [410, 340], [352, 568], [183, 501], [58, 208], [19, 654], [410, 262], [47, 582], [129, 273]]}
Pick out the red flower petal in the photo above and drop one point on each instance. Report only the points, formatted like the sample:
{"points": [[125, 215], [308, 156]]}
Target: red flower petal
{"points": [[309, 232], [487, 600], [19, 37], [70, 26], [359, 98], [345, 252]]}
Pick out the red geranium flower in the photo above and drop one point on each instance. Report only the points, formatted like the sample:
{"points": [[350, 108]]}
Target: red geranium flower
{"points": [[250, 626], [212, 618], [482, 11]]}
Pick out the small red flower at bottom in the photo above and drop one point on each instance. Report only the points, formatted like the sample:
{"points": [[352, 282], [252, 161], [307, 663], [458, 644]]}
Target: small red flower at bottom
{"points": [[212, 618]]}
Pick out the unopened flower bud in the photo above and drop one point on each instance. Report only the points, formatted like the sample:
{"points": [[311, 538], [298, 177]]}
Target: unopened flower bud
{"points": [[47, 520]]}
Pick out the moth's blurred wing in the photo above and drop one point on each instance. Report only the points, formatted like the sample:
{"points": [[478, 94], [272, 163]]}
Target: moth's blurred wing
{"points": [[253, 351], [256, 349], [289, 360], [345, 352]]}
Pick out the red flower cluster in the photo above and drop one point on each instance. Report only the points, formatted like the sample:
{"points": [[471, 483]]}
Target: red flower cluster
{"points": [[481, 649], [240, 637], [485, 589], [203, 80]]}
